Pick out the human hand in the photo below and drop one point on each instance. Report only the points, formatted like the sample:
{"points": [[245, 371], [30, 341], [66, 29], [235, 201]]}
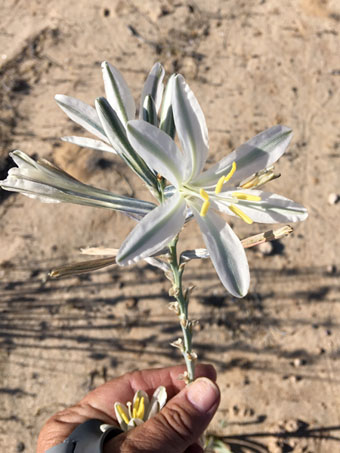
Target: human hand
{"points": [[176, 429]]}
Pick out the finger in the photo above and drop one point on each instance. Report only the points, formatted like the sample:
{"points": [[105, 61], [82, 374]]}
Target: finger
{"points": [[194, 448], [179, 425], [124, 388]]}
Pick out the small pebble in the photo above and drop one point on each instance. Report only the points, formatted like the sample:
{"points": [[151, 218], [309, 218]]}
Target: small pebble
{"points": [[20, 447], [236, 410], [333, 198], [291, 426], [131, 303], [299, 362], [295, 379], [246, 381], [331, 269], [266, 248]]}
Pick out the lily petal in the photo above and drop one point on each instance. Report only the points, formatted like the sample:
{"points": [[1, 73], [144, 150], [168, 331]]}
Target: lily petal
{"points": [[272, 208], [117, 135], [160, 395], [157, 402], [86, 142], [50, 184], [190, 126], [82, 114], [157, 149], [258, 153], [136, 399], [121, 409], [155, 262], [226, 252], [134, 422], [149, 111], [153, 86], [196, 254], [118, 93], [154, 231], [166, 121]]}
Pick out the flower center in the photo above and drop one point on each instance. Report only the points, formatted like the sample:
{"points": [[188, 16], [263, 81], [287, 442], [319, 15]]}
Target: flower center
{"points": [[218, 188], [234, 196]]}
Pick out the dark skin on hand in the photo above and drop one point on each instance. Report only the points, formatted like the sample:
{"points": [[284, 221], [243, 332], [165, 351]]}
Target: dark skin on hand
{"points": [[176, 429]]}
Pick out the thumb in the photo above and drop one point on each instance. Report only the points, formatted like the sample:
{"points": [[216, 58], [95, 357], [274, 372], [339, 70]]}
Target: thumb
{"points": [[179, 424]]}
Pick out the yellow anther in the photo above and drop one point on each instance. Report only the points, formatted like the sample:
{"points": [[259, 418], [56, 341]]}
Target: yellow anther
{"points": [[245, 196], [204, 208], [140, 409], [122, 413], [135, 407], [219, 185], [206, 204], [241, 214], [204, 195], [232, 171]]}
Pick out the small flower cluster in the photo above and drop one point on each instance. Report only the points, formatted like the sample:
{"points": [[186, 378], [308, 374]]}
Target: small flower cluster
{"points": [[140, 409]]}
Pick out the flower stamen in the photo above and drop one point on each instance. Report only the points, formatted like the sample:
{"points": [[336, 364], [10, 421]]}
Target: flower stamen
{"points": [[140, 409], [206, 204], [224, 179], [245, 196], [204, 208], [135, 408], [232, 171], [219, 185], [122, 413], [240, 214], [204, 195]]}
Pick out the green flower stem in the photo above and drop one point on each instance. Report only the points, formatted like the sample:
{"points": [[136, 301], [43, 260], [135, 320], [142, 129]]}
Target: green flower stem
{"points": [[183, 301]]}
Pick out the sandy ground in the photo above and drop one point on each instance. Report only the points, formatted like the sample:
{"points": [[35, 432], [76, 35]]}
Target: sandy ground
{"points": [[252, 64]]}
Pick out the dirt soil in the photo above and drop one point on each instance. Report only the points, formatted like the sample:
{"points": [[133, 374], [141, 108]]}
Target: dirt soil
{"points": [[252, 64]]}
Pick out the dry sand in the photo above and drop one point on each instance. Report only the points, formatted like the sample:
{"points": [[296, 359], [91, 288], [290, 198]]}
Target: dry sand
{"points": [[252, 64]]}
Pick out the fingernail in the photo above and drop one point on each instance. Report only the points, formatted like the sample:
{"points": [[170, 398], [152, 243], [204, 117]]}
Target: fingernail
{"points": [[203, 394]]}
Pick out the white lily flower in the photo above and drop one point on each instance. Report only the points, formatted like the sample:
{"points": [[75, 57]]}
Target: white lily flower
{"points": [[50, 184], [225, 187], [140, 409]]}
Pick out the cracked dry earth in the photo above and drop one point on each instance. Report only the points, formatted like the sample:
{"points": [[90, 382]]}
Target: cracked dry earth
{"points": [[252, 64]]}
